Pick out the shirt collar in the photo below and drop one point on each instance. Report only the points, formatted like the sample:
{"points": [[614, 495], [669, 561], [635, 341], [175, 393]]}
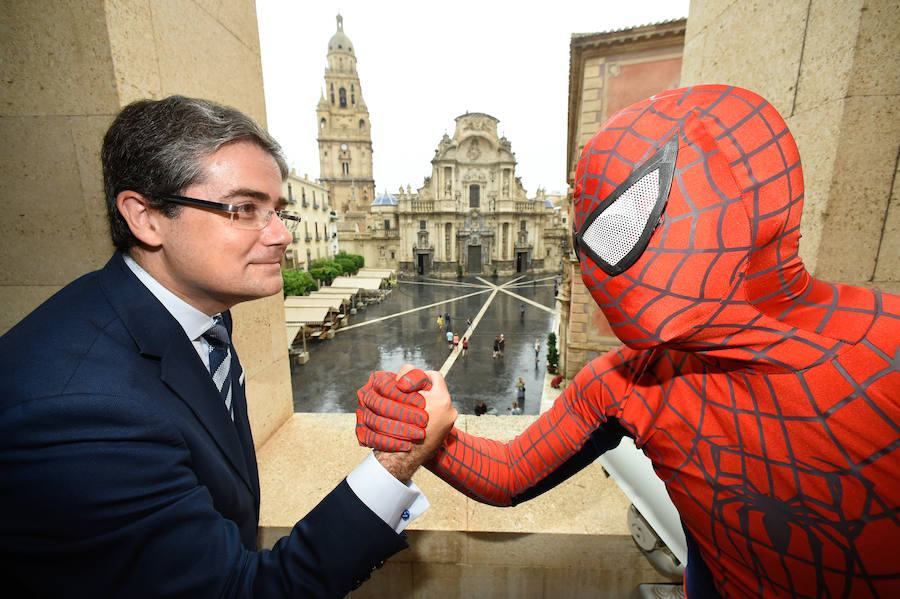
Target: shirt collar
{"points": [[193, 321]]}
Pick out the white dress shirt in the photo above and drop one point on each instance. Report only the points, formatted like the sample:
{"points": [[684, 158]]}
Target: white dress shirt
{"points": [[393, 501]]}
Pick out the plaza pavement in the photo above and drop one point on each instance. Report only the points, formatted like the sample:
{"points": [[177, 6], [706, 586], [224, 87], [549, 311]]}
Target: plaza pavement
{"points": [[403, 329]]}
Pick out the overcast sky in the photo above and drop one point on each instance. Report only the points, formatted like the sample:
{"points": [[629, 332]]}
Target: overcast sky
{"points": [[423, 64]]}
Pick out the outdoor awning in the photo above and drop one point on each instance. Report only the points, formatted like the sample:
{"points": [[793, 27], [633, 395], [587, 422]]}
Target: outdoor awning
{"points": [[309, 301], [345, 295], [337, 291], [371, 273], [310, 315], [358, 282], [292, 330]]}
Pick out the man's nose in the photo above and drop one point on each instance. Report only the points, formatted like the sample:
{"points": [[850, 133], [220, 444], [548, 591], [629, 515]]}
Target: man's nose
{"points": [[276, 232]]}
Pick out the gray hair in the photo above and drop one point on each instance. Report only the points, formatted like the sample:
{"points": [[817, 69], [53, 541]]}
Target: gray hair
{"points": [[155, 148]]}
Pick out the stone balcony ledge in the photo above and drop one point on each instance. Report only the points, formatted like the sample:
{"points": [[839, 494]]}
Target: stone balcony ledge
{"points": [[572, 541]]}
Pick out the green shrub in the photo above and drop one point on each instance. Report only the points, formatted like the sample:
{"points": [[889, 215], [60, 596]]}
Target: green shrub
{"points": [[322, 269], [358, 260], [347, 264], [297, 282]]}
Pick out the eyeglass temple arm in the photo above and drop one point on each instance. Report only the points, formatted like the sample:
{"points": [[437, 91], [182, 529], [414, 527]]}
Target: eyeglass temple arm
{"points": [[198, 202]]}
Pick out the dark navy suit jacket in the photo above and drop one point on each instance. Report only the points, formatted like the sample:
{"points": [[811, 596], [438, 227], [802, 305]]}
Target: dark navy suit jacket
{"points": [[121, 473]]}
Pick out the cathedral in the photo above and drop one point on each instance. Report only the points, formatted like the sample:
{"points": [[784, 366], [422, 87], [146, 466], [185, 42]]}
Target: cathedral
{"points": [[471, 216]]}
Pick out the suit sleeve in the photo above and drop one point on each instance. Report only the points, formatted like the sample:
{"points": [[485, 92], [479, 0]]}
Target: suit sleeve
{"points": [[581, 425], [99, 498]]}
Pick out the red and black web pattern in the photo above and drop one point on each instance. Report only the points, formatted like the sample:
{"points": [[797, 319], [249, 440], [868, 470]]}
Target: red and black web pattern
{"points": [[768, 401]]}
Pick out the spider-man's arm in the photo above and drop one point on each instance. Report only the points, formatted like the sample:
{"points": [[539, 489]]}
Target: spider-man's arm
{"points": [[552, 449], [561, 442]]}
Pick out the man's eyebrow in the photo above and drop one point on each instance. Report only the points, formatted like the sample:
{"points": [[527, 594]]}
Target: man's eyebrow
{"points": [[246, 192]]}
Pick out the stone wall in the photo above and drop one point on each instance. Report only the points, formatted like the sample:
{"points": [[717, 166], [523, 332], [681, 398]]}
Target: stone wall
{"points": [[70, 66], [830, 68]]}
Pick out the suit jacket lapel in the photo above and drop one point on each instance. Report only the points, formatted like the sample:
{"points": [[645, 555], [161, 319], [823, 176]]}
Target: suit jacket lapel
{"points": [[158, 334]]}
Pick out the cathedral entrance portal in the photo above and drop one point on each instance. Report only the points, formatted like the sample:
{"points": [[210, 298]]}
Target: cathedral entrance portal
{"points": [[422, 263], [474, 264], [521, 261]]}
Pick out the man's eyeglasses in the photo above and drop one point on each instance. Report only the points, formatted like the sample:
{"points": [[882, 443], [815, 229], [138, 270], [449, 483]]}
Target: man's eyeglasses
{"points": [[248, 216]]}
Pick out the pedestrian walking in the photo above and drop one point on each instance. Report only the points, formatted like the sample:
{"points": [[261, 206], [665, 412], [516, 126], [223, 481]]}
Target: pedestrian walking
{"points": [[450, 338], [455, 341], [496, 346], [522, 311], [520, 393], [537, 351], [465, 342], [440, 321], [501, 345]]}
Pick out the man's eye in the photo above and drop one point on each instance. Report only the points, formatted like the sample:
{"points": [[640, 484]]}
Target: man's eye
{"points": [[245, 209]]}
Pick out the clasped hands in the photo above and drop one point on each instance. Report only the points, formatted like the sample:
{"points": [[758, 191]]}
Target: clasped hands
{"points": [[404, 417]]}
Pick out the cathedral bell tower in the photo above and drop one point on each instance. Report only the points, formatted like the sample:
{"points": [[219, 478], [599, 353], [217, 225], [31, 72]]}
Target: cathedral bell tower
{"points": [[344, 133]]}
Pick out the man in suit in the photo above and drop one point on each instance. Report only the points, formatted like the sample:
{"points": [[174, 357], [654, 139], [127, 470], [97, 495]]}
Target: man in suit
{"points": [[127, 457]]}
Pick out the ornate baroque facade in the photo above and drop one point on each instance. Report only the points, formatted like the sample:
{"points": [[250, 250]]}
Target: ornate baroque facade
{"points": [[471, 216], [344, 132]]}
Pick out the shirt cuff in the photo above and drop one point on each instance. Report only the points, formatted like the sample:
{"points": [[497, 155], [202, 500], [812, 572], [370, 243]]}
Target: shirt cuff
{"points": [[395, 502]]}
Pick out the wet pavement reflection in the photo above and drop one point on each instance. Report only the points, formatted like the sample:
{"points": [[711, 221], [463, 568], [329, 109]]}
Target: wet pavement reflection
{"points": [[404, 328]]}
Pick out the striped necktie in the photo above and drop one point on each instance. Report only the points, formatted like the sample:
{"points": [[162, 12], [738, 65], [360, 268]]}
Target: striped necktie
{"points": [[220, 360]]}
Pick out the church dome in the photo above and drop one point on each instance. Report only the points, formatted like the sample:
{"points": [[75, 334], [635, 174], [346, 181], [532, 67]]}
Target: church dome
{"points": [[385, 199], [339, 42]]}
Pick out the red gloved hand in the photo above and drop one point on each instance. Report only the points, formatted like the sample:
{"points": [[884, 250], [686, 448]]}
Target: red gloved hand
{"points": [[390, 413]]}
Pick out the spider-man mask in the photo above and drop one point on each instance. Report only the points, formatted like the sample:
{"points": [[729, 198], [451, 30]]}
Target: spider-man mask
{"points": [[687, 209]]}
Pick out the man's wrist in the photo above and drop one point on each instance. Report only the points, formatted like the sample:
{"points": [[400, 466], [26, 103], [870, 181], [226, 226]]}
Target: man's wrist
{"points": [[401, 465]]}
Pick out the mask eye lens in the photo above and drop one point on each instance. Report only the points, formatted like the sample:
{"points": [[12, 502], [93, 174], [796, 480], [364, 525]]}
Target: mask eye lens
{"points": [[618, 231]]}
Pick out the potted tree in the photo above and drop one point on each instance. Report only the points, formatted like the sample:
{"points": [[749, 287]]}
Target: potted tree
{"points": [[552, 354]]}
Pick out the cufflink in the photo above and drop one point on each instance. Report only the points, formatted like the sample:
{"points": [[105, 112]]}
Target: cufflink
{"points": [[405, 515]]}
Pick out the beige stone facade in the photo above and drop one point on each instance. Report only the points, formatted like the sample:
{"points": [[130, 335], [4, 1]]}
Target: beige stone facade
{"points": [[316, 237], [607, 72], [830, 68], [344, 132], [471, 216]]}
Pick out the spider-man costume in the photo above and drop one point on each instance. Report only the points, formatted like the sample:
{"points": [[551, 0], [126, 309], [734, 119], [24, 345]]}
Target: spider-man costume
{"points": [[768, 401]]}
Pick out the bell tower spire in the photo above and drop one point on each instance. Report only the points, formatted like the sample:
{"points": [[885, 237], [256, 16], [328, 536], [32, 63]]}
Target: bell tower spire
{"points": [[344, 132]]}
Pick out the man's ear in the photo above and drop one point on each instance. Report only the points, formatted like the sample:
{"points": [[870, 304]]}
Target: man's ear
{"points": [[142, 219]]}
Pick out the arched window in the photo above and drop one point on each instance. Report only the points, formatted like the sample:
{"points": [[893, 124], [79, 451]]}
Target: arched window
{"points": [[362, 124], [322, 124], [343, 96]]}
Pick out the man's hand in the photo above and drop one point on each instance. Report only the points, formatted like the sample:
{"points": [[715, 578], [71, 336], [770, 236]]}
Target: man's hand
{"points": [[411, 385]]}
